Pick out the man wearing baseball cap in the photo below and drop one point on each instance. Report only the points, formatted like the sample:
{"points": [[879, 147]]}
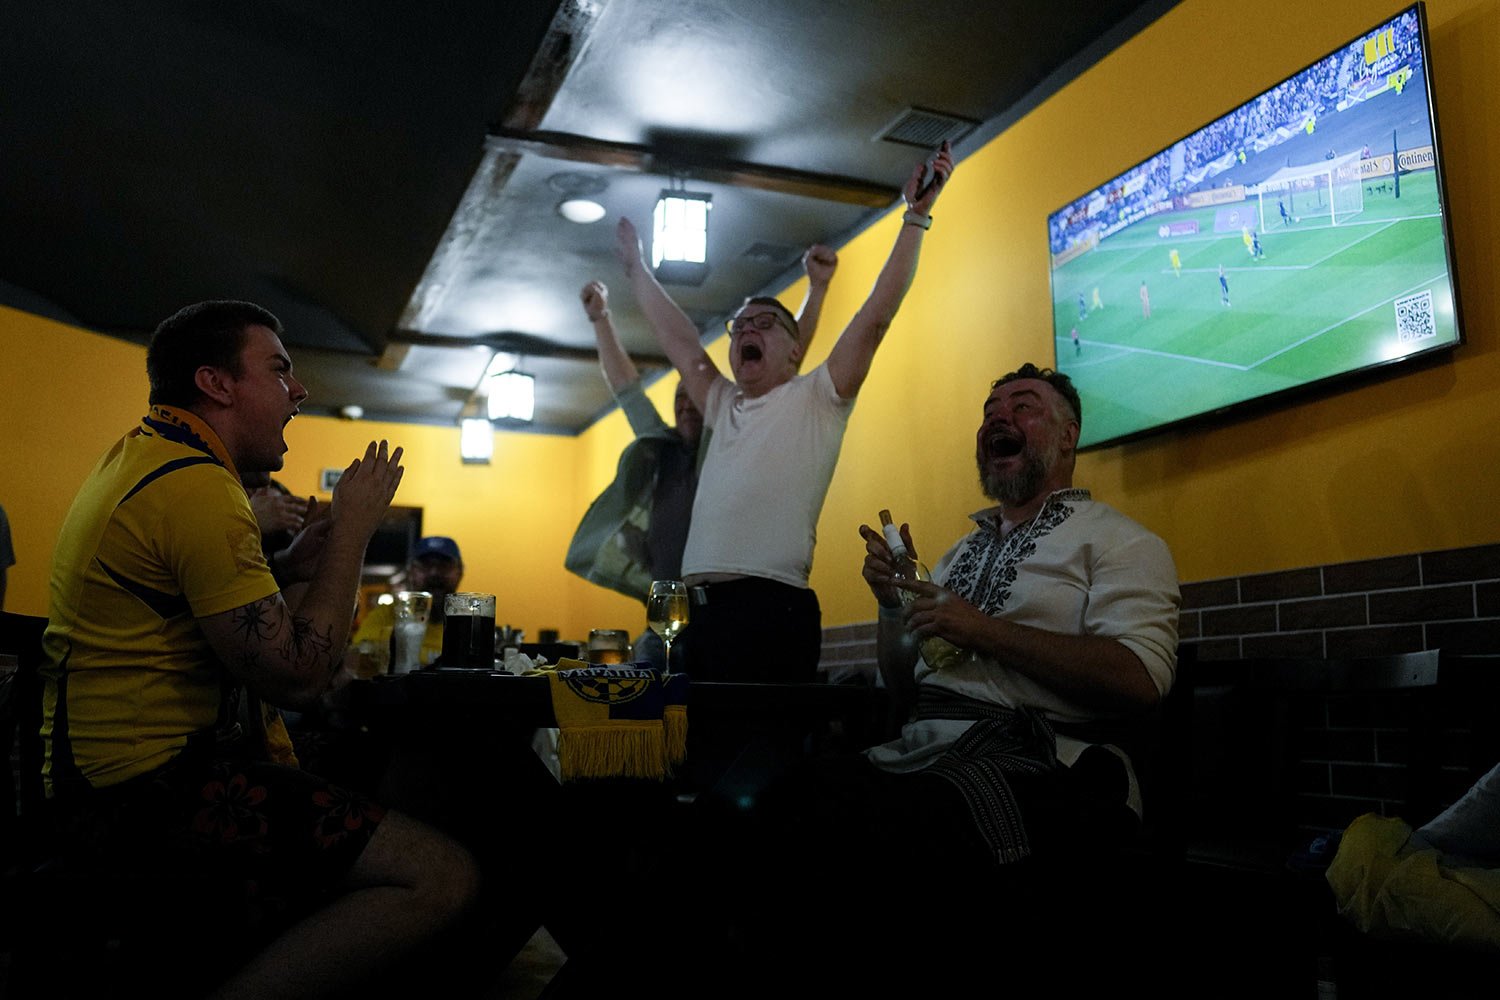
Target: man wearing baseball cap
{"points": [[436, 567]]}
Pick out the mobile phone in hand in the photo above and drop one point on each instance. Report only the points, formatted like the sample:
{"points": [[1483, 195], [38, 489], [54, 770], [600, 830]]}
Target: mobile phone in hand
{"points": [[929, 178]]}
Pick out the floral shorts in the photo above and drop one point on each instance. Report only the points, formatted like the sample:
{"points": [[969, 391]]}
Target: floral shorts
{"points": [[267, 843]]}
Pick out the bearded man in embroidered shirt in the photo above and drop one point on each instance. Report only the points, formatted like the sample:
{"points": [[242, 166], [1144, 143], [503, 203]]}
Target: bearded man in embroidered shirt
{"points": [[1014, 772], [1066, 613]]}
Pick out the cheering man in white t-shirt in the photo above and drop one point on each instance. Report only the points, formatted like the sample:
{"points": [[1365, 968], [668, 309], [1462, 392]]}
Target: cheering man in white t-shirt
{"points": [[776, 440]]}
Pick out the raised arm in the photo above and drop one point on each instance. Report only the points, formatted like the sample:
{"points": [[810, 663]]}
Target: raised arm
{"points": [[674, 330], [288, 655], [619, 370], [819, 262], [849, 362]]}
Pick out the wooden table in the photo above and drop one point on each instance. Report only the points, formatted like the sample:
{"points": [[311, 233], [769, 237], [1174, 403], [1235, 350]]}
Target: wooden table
{"points": [[458, 697]]}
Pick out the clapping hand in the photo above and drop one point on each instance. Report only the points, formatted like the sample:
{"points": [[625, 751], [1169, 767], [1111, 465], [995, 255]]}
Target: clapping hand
{"points": [[277, 511], [365, 490], [299, 560]]}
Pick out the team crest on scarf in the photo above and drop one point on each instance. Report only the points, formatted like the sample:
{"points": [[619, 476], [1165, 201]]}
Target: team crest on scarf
{"points": [[608, 685]]}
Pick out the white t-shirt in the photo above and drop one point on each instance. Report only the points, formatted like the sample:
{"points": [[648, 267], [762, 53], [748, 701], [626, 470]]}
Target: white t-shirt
{"points": [[1077, 568], [762, 485]]}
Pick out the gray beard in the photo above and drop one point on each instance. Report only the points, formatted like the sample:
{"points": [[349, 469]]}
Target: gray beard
{"points": [[1020, 487]]}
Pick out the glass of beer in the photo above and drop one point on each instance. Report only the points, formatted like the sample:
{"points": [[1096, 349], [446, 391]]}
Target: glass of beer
{"points": [[469, 631], [608, 646], [667, 613], [411, 610]]}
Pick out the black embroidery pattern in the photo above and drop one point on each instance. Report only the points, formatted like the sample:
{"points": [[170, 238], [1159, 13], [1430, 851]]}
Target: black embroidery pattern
{"points": [[985, 569]]}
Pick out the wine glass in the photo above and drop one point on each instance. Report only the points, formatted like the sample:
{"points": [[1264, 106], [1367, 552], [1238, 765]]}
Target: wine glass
{"points": [[667, 613]]}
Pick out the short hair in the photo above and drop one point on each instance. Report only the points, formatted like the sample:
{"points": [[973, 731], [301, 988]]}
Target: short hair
{"points": [[205, 333], [786, 314], [1055, 379]]}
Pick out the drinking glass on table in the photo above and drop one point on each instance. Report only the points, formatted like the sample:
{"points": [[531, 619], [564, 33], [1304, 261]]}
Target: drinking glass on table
{"points": [[608, 646], [667, 613], [410, 612], [469, 631]]}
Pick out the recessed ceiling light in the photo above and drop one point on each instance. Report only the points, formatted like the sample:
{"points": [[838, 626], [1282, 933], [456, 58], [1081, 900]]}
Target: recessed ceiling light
{"points": [[352, 412], [580, 210]]}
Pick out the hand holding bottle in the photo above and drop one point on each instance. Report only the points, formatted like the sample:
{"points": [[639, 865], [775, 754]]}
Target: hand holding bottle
{"points": [[880, 566], [911, 582]]}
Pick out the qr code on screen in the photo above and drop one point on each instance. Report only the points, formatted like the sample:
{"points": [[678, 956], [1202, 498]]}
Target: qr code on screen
{"points": [[1414, 317]]}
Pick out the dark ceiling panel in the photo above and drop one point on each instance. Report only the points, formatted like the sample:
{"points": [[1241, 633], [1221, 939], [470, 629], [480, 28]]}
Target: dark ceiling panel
{"points": [[375, 173]]}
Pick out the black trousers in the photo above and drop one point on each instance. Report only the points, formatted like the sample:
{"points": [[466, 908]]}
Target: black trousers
{"points": [[753, 630]]}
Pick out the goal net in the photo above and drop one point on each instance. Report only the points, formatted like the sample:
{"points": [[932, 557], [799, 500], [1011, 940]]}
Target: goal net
{"points": [[1329, 192]]}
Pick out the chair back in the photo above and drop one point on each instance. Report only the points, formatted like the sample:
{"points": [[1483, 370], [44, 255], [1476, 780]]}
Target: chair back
{"points": [[20, 726], [1163, 763], [1270, 736]]}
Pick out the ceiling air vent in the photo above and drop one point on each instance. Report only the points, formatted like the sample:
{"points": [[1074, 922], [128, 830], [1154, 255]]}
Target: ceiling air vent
{"points": [[926, 129], [771, 253]]}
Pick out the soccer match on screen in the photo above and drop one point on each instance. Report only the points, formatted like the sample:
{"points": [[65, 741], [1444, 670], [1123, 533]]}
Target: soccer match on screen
{"points": [[1298, 238]]}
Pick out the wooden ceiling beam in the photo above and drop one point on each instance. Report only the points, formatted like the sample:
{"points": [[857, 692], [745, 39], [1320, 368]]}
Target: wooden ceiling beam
{"points": [[514, 343], [733, 173]]}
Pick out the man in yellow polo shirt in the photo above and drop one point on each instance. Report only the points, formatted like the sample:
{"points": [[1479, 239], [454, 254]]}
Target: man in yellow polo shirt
{"points": [[161, 602]]}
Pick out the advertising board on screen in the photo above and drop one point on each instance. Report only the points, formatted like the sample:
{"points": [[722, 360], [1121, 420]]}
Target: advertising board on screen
{"points": [[1291, 243]]}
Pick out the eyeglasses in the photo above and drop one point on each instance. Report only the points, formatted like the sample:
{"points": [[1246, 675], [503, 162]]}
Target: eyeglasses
{"points": [[761, 321]]}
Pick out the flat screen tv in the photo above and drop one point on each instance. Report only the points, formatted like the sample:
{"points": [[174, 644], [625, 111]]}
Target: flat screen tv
{"points": [[1287, 246]]}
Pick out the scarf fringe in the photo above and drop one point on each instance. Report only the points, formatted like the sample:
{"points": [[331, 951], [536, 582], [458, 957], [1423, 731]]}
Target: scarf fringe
{"points": [[675, 723], [618, 750]]}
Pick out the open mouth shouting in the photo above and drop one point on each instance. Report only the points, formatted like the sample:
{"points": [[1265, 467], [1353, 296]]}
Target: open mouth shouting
{"points": [[1002, 444]]}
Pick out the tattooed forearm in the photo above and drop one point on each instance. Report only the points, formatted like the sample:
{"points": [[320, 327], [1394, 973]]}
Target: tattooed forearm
{"points": [[256, 622], [287, 658], [309, 647]]}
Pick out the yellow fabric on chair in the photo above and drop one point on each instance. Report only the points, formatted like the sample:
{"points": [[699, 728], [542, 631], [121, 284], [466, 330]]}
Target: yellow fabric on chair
{"points": [[618, 722], [1390, 888]]}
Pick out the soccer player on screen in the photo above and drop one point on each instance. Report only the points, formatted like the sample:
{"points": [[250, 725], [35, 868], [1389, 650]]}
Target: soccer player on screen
{"points": [[1145, 302], [1176, 262], [1223, 286], [1083, 308]]}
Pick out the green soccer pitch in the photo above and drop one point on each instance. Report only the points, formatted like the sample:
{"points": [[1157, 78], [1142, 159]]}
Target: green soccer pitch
{"points": [[1321, 301]]}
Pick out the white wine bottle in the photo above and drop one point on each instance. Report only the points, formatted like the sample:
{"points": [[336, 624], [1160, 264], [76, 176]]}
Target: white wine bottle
{"points": [[938, 652]]}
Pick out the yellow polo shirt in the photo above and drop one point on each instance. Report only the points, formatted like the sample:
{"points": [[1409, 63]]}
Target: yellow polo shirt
{"points": [[160, 535]]}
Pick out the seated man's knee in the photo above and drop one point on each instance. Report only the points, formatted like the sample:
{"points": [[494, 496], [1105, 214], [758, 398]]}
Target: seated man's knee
{"points": [[440, 873]]}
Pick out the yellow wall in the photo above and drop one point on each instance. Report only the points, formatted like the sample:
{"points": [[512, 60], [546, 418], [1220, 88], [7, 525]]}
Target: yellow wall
{"points": [[512, 518], [1404, 465]]}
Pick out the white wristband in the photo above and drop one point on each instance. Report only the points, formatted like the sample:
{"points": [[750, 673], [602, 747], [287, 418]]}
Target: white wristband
{"points": [[912, 218]]}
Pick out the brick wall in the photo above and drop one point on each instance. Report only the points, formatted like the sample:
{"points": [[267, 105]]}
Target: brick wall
{"points": [[1433, 600], [849, 653]]}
